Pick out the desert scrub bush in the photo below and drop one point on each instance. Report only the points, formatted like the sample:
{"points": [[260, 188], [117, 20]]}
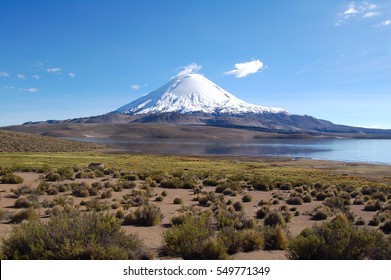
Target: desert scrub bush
{"points": [[23, 190], [96, 205], [374, 222], [320, 196], [274, 218], [210, 182], [275, 237], [307, 198], [372, 205], [85, 175], [106, 194], [262, 212], [348, 242], [74, 235], [30, 201], [146, 215], [386, 227], [238, 206], [66, 172], [247, 198], [178, 200], [80, 190], [294, 200], [193, 239], [359, 221], [336, 203], [53, 176], [4, 215], [379, 196], [24, 215], [11, 178], [320, 213]]}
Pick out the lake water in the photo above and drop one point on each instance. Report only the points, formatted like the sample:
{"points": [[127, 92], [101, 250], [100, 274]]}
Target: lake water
{"points": [[351, 150]]}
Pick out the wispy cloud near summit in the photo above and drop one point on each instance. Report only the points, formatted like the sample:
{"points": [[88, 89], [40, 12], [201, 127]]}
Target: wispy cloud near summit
{"points": [[244, 69]]}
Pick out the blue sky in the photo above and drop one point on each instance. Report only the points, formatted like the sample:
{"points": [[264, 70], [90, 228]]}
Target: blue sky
{"points": [[66, 59]]}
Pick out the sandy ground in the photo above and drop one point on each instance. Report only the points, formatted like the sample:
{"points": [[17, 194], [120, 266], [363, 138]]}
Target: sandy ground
{"points": [[152, 236]]}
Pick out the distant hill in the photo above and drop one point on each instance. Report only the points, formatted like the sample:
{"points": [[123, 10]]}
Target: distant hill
{"points": [[23, 142]]}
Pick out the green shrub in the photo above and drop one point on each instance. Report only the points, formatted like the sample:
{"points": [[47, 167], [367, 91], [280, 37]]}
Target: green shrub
{"points": [[10, 178], [359, 222], [374, 222], [53, 176], [72, 235], [247, 198], [26, 202], [274, 218], [146, 215], [294, 200], [320, 213], [23, 190], [194, 239], [251, 240], [372, 205], [178, 200], [386, 227], [276, 238], [338, 239], [26, 214], [159, 198], [262, 212], [237, 206]]}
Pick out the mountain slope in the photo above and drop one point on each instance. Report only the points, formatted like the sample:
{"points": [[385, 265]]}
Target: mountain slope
{"points": [[192, 93], [22, 142]]}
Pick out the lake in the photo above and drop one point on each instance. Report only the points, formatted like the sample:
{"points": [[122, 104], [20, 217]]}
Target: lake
{"points": [[350, 150]]}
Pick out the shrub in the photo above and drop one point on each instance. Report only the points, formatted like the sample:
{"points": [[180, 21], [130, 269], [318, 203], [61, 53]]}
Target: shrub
{"points": [[374, 222], [72, 235], [335, 203], [53, 176], [146, 215], [164, 193], [30, 201], [10, 178], [372, 205], [23, 190], [359, 222], [274, 218], [251, 240], [262, 212], [276, 238], [22, 215], [194, 239], [386, 227], [320, 196], [338, 239], [320, 213], [237, 206], [295, 200], [247, 198], [159, 198], [178, 200], [307, 198]]}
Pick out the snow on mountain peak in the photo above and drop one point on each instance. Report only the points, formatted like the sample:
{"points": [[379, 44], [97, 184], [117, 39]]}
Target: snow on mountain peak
{"points": [[189, 93]]}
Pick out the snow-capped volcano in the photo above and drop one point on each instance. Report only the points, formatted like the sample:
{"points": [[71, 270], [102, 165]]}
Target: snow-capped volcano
{"points": [[192, 93]]}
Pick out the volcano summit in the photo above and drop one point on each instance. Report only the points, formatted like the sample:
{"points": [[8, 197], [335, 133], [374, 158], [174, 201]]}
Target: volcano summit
{"points": [[192, 93]]}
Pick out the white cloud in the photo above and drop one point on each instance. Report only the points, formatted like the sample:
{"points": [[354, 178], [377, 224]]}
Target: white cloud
{"points": [[135, 87], [4, 74], [352, 10], [363, 9], [31, 90], [21, 76], [53, 70], [246, 68], [370, 14], [386, 22], [37, 77], [72, 75], [189, 69]]}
